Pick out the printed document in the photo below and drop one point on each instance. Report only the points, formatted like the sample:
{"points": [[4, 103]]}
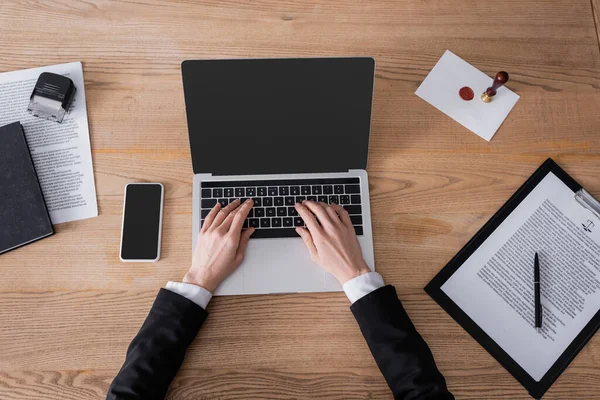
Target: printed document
{"points": [[61, 152], [494, 287]]}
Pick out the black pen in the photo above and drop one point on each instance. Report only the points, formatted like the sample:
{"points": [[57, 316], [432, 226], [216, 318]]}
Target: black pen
{"points": [[536, 288]]}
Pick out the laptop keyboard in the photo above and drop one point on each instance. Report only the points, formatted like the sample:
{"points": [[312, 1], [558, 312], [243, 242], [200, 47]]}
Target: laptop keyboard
{"points": [[274, 214]]}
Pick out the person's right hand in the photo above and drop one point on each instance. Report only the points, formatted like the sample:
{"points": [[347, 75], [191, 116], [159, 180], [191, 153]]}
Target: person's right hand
{"points": [[331, 240]]}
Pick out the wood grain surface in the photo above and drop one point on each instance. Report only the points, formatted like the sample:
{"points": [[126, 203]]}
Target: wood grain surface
{"points": [[69, 307]]}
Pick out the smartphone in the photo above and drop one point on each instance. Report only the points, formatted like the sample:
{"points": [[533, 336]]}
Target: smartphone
{"points": [[142, 222]]}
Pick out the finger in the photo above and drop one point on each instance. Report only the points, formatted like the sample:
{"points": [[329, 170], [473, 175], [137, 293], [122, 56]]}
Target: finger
{"points": [[344, 216], [308, 241], [319, 211], [224, 213], [244, 239], [333, 215], [308, 217], [211, 217], [235, 220]]}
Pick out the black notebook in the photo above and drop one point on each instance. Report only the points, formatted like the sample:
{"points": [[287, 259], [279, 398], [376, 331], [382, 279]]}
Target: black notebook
{"points": [[23, 214], [488, 286]]}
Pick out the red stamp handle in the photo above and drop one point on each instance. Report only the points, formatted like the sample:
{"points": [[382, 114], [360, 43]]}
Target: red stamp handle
{"points": [[499, 81]]}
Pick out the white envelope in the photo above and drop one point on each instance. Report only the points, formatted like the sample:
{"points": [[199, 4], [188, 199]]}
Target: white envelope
{"points": [[440, 89]]}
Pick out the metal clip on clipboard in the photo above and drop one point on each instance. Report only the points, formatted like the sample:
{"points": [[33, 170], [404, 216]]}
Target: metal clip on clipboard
{"points": [[588, 201]]}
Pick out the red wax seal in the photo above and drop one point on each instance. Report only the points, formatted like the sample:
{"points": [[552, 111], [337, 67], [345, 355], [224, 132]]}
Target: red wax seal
{"points": [[466, 93]]}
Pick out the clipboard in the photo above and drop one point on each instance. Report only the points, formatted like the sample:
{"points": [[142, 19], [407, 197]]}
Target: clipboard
{"points": [[535, 388]]}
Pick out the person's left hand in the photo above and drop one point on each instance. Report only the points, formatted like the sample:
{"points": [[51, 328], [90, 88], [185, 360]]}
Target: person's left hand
{"points": [[221, 245]]}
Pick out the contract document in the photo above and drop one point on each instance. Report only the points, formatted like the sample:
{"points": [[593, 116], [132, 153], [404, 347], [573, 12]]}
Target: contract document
{"points": [[500, 276], [488, 287], [61, 153]]}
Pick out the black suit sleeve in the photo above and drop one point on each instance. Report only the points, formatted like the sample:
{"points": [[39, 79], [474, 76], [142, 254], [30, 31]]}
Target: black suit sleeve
{"points": [[156, 353], [400, 352]]}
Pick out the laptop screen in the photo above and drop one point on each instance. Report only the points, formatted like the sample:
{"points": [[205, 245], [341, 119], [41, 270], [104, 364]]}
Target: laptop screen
{"points": [[266, 116]]}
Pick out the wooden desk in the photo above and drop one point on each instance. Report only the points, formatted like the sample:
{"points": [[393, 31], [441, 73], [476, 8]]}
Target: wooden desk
{"points": [[69, 307]]}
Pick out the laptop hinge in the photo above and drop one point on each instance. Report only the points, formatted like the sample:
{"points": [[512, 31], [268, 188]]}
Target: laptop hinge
{"points": [[280, 173]]}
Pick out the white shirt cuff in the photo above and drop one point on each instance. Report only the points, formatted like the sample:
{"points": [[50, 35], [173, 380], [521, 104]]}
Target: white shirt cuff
{"points": [[194, 293], [362, 285]]}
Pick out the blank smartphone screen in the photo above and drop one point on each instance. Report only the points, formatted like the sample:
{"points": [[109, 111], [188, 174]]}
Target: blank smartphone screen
{"points": [[141, 222]]}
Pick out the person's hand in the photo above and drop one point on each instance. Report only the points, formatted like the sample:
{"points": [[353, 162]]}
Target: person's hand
{"points": [[221, 245], [331, 240]]}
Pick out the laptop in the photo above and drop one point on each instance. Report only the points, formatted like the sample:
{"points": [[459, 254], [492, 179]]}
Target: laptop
{"points": [[280, 131]]}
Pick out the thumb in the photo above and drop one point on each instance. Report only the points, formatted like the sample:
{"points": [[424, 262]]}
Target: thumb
{"points": [[308, 241], [244, 239]]}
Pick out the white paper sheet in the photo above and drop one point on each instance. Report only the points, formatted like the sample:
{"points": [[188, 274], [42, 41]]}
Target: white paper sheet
{"points": [[440, 89], [61, 152], [494, 287]]}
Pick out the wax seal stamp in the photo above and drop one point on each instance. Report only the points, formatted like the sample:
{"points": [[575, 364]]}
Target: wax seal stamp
{"points": [[500, 79]]}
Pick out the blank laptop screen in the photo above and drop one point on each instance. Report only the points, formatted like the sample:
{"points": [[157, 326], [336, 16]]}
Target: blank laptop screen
{"points": [[278, 115]]}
